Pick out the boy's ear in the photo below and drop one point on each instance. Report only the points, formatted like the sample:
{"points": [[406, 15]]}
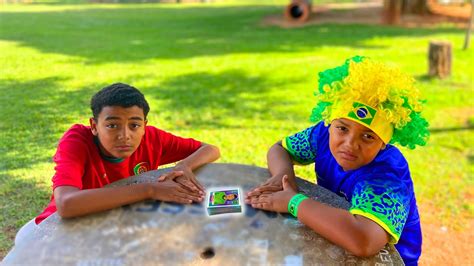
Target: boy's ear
{"points": [[384, 146], [93, 124]]}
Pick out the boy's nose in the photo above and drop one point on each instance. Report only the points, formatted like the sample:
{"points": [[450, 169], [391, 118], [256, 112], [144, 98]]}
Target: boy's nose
{"points": [[352, 143], [124, 134]]}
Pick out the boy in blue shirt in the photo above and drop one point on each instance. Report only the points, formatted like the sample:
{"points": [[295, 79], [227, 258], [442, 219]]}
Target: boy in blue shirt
{"points": [[363, 107]]}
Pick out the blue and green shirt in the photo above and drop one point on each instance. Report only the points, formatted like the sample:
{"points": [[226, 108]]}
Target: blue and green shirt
{"points": [[382, 190]]}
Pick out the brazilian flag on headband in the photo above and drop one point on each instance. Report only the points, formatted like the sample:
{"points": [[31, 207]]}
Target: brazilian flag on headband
{"points": [[362, 113]]}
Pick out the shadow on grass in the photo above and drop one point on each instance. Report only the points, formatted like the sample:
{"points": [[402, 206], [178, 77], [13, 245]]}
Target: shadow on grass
{"points": [[131, 33], [35, 117], [222, 100], [40, 111], [24, 200]]}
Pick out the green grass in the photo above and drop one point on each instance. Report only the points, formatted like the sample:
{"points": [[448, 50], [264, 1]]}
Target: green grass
{"points": [[212, 72]]}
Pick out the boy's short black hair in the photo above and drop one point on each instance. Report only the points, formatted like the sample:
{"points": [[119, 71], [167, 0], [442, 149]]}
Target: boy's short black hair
{"points": [[118, 94]]}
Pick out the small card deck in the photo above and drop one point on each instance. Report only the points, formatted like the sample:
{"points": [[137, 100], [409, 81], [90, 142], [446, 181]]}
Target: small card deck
{"points": [[224, 201]]}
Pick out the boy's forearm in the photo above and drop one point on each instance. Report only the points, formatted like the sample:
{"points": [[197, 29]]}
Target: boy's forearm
{"points": [[356, 234], [205, 154], [279, 162], [72, 202]]}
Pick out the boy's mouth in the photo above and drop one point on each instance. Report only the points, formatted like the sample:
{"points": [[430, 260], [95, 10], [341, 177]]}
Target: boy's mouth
{"points": [[124, 147], [348, 156]]}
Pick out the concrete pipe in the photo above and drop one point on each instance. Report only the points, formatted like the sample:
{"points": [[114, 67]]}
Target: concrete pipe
{"points": [[298, 10]]}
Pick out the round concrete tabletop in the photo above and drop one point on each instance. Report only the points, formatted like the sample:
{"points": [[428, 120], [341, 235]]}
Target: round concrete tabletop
{"points": [[154, 232]]}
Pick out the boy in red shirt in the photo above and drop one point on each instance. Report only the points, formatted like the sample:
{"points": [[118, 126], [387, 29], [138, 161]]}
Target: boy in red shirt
{"points": [[118, 144]]}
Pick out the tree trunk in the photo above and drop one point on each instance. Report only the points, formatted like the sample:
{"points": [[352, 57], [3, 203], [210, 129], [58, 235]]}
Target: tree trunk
{"points": [[391, 11], [439, 59], [467, 40], [418, 7]]}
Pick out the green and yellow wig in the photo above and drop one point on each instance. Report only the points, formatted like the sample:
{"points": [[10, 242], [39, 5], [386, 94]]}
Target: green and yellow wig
{"points": [[375, 95]]}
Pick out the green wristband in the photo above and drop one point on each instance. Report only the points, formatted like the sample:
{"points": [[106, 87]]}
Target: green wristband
{"points": [[295, 201]]}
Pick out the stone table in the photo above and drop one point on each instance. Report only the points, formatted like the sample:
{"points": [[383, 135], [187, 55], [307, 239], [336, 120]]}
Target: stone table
{"points": [[154, 232]]}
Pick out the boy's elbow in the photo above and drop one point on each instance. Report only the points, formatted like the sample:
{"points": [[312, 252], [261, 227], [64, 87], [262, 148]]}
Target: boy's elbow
{"points": [[364, 251], [217, 152], [62, 208], [214, 150]]}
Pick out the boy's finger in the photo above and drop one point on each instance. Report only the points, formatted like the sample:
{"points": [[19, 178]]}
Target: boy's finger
{"points": [[258, 186], [259, 206], [248, 199], [187, 184], [184, 190], [269, 189], [254, 200], [198, 186], [285, 183], [175, 174], [253, 193], [170, 175], [189, 197], [182, 200], [162, 178], [196, 183], [251, 190], [258, 189]]}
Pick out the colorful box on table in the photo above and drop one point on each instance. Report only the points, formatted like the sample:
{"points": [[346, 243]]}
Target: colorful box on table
{"points": [[224, 201]]}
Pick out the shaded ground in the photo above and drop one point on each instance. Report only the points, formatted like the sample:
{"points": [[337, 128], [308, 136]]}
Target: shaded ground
{"points": [[443, 244], [371, 13]]}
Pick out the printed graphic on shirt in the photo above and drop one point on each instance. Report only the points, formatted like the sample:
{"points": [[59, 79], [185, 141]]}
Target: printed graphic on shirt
{"points": [[299, 147], [141, 168], [385, 202]]}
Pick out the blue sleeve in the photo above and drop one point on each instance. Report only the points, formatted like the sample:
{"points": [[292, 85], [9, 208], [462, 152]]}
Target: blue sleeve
{"points": [[302, 145], [384, 200]]}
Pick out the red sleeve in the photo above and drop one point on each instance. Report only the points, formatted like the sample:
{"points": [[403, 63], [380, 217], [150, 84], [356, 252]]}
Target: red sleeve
{"points": [[175, 148], [70, 157]]}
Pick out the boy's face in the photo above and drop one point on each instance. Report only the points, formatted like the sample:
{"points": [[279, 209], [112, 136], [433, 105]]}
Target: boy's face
{"points": [[230, 197], [120, 130], [352, 144]]}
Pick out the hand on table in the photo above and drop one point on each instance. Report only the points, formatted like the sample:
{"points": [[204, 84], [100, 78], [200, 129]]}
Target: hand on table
{"points": [[171, 191], [272, 184], [273, 200], [184, 176], [181, 186]]}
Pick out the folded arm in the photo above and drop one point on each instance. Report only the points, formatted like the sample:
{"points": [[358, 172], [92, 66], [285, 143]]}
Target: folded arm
{"points": [[357, 234], [73, 202]]}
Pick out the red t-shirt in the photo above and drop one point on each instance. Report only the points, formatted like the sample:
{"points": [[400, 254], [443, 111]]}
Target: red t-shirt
{"points": [[80, 164]]}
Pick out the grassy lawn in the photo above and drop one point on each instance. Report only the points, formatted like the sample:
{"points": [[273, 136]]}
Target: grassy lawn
{"points": [[215, 73]]}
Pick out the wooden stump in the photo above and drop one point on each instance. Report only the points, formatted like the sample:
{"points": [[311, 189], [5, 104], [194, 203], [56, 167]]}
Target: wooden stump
{"points": [[439, 59]]}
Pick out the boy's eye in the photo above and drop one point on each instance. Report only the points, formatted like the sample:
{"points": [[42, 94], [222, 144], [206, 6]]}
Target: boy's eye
{"points": [[368, 136], [136, 125], [342, 128], [111, 126]]}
